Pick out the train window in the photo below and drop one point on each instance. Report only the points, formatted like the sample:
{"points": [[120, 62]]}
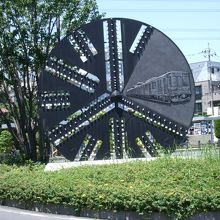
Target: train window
{"points": [[146, 86], [174, 81], [185, 81], [153, 85], [159, 84]]}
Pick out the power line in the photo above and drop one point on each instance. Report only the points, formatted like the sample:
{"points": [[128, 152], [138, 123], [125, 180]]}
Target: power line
{"points": [[193, 54], [191, 29], [208, 53], [196, 38], [200, 1], [196, 10]]}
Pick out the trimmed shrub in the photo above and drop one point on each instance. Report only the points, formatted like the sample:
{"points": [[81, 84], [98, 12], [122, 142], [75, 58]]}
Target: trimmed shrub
{"points": [[182, 187]]}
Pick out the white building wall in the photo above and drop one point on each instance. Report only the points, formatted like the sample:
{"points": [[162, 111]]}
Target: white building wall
{"points": [[201, 71]]}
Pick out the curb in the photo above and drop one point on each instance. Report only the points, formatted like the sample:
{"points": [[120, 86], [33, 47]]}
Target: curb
{"points": [[69, 210], [107, 214]]}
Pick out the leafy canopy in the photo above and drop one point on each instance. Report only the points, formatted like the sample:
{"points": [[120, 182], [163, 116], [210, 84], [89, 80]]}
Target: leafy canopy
{"points": [[29, 29]]}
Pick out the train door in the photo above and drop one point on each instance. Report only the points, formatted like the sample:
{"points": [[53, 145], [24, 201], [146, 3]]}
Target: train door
{"points": [[159, 86], [166, 89], [186, 80], [174, 82], [159, 89], [146, 89], [150, 92], [165, 86], [179, 81], [154, 89]]}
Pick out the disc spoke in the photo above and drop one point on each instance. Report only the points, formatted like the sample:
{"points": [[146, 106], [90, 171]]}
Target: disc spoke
{"points": [[146, 144], [56, 100], [117, 137], [81, 119], [152, 117], [113, 55], [82, 45], [141, 40], [72, 74]]}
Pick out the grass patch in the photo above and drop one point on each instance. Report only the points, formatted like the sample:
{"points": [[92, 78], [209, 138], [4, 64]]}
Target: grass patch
{"points": [[171, 185]]}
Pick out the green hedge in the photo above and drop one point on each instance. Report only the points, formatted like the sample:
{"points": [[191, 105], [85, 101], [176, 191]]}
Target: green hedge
{"points": [[175, 186]]}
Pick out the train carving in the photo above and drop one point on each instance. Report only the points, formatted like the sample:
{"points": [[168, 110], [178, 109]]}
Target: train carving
{"points": [[171, 87]]}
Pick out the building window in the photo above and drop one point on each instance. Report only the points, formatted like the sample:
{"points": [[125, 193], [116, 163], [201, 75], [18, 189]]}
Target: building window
{"points": [[198, 108], [217, 69], [198, 91], [212, 70]]}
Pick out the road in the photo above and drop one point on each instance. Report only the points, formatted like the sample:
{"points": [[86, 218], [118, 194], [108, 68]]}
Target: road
{"points": [[8, 213]]}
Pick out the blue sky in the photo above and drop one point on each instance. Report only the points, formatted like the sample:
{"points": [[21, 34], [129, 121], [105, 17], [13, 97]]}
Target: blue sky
{"points": [[191, 24]]}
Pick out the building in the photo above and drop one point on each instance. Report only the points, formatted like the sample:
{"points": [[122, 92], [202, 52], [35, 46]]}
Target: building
{"points": [[207, 93], [205, 89]]}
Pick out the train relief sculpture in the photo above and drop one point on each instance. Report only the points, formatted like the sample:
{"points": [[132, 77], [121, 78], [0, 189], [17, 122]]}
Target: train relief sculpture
{"points": [[95, 101], [171, 87]]}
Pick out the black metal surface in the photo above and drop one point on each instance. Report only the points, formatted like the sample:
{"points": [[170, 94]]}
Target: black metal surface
{"points": [[115, 88]]}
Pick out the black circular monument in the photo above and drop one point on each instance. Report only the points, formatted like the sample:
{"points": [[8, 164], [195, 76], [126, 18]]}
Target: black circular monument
{"points": [[115, 88]]}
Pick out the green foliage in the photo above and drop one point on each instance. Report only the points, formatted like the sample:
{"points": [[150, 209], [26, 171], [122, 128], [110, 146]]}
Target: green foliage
{"points": [[6, 146], [174, 186], [9, 159], [29, 29], [217, 128], [6, 142]]}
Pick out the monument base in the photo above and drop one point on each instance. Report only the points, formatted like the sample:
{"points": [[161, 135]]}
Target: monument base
{"points": [[65, 165]]}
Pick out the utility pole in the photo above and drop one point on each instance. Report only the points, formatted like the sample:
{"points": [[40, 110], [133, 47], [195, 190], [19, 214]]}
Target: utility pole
{"points": [[209, 53]]}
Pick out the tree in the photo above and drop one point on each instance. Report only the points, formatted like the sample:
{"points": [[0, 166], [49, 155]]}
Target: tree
{"points": [[29, 29]]}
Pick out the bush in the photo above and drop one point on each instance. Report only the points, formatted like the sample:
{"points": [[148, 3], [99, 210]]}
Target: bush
{"points": [[174, 186], [6, 142]]}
